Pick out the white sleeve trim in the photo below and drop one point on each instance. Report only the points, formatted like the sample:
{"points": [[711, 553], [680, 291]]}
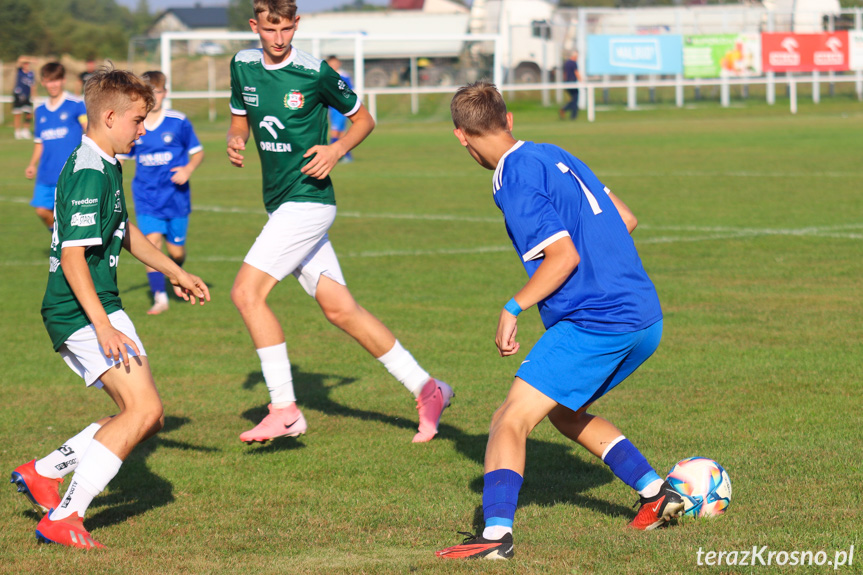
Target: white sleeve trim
{"points": [[355, 109], [237, 112], [195, 150], [79, 243], [536, 252], [606, 190]]}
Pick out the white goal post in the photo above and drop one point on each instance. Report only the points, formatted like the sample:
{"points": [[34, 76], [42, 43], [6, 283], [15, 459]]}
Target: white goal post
{"points": [[356, 44]]}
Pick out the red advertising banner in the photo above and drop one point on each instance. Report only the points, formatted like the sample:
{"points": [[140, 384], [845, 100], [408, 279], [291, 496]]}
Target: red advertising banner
{"points": [[805, 52]]}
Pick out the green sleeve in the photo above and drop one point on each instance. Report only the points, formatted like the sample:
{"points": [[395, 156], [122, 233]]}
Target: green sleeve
{"points": [[334, 92], [79, 208]]}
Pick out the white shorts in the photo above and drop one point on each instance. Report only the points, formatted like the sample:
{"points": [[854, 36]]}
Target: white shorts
{"points": [[84, 356], [295, 241]]}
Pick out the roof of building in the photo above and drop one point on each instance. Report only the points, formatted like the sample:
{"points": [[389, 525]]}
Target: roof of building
{"points": [[407, 4], [201, 17]]}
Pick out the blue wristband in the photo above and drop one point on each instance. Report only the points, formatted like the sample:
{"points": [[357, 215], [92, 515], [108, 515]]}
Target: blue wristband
{"points": [[513, 307]]}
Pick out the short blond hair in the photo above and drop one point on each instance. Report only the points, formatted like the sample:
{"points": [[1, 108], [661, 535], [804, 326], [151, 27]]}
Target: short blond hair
{"points": [[276, 10], [112, 89], [155, 78], [478, 109]]}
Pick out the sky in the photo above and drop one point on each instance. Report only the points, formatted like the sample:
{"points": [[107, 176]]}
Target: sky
{"points": [[303, 5]]}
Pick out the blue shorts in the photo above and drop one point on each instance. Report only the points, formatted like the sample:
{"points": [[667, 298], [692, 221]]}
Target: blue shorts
{"points": [[575, 366], [338, 121], [43, 197], [174, 229]]}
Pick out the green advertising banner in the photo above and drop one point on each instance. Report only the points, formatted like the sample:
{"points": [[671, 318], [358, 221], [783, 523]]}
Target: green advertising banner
{"points": [[721, 55]]}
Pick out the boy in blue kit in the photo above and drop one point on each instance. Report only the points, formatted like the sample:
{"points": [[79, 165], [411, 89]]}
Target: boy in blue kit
{"points": [[59, 126], [598, 305], [22, 106], [166, 155], [338, 121]]}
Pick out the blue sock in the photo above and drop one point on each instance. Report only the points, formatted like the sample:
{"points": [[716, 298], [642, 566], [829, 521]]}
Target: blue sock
{"points": [[629, 465], [500, 497], [157, 281]]}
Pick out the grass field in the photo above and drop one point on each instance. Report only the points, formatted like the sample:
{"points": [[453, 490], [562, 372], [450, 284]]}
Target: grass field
{"points": [[751, 226]]}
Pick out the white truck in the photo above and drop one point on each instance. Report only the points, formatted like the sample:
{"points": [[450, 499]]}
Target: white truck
{"points": [[532, 37]]}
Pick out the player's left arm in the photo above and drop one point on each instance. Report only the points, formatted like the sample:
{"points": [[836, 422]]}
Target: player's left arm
{"points": [[139, 246], [326, 157], [181, 174], [559, 261], [625, 213]]}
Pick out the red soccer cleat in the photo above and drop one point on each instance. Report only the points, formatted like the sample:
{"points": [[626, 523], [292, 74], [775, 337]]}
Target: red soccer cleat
{"points": [[659, 509], [68, 531], [433, 399], [42, 492], [477, 547]]}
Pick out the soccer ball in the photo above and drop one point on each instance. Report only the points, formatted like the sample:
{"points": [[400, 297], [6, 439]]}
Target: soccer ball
{"points": [[704, 485]]}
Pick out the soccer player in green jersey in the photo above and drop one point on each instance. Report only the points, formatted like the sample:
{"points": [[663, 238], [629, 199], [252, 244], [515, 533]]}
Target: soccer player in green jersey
{"points": [[282, 95], [84, 315]]}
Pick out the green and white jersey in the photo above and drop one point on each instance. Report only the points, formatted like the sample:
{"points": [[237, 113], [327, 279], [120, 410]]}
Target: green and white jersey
{"points": [[89, 211], [286, 106]]}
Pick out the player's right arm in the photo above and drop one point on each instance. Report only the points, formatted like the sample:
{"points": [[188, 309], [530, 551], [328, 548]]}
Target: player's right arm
{"points": [[30, 170], [628, 217], [76, 272], [238, 135], [560, 258]]}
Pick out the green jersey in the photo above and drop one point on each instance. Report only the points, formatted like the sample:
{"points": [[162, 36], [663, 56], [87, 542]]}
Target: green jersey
{"points": [[286, 106], [89, 211]]}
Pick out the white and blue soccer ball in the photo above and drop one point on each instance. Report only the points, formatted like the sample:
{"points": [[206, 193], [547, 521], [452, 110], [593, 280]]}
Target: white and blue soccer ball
{"points": [[704, 485]]}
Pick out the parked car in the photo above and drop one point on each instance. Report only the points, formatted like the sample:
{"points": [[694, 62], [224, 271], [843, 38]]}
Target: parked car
{"points": [[210, 49]]}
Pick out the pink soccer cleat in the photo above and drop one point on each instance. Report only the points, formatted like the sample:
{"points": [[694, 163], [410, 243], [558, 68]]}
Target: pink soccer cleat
{"points": [[42, 492], [285, 422], [433, 399], [68, 531]]}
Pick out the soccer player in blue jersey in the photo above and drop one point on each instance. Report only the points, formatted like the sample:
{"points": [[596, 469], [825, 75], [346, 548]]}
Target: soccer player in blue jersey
{"points": [[166, 157], [22, 106], [338, 121], [598, 305], [60, 124]]}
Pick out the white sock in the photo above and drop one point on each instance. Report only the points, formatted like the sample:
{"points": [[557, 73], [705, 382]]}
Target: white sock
{"points": [[65, 459], [402, 366], [495, 532], [651, 488], [160, 297], [277, 374], [97, 468]]}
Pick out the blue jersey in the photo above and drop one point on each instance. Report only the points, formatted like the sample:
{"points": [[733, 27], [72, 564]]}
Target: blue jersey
{"points": [[59, 131], [166, 145], [24, 83], [545, 194]]}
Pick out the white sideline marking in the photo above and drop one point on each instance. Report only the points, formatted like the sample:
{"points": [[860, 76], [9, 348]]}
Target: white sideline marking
{"points": [[731, 174], [705, 233]]}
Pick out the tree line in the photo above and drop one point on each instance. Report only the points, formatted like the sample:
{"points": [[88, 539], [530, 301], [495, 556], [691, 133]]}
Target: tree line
{"points": [[80, 28]]}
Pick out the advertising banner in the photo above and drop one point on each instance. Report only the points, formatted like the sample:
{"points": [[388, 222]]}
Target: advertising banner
{"points": [[722, 55], [648, 54], [855, 49], [805, 52]]}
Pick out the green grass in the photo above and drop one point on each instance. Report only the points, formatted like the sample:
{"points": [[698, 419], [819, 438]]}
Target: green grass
{"points": [[751, 223]]}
